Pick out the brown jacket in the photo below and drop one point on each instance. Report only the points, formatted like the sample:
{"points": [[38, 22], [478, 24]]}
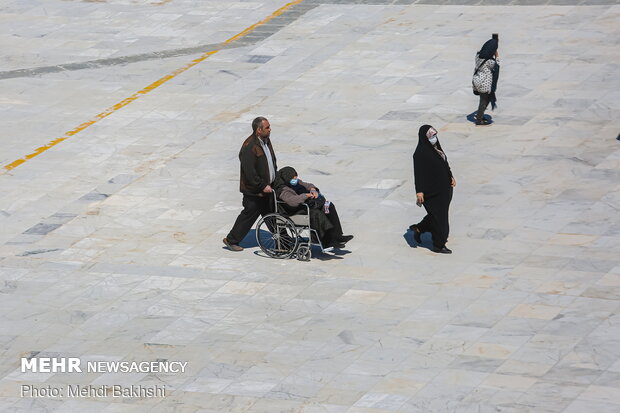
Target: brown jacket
{"points": [[254, 166]]}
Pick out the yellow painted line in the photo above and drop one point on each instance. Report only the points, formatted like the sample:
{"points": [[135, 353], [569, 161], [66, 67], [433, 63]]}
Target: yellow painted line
{"points": [[144, 91]]}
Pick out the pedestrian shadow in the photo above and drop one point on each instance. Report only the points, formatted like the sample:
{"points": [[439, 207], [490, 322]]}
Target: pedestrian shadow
{"points": [[250, 240], [472, 117], [426, 240]]}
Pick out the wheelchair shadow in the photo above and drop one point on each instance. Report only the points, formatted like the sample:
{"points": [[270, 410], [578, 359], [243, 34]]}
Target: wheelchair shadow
{"points": [[317, 254], [472, 117], [334, 254], [426, 240]]}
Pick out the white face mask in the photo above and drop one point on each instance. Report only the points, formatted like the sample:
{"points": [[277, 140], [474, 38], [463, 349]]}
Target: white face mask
{"points": [[433, 139]]}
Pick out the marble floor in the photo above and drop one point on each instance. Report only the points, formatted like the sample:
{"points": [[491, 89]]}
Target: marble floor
{"points": [[122, 121]]}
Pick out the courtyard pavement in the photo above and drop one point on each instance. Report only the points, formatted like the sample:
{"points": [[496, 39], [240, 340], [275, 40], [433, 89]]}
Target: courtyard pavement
{"points": [[121, 123]]}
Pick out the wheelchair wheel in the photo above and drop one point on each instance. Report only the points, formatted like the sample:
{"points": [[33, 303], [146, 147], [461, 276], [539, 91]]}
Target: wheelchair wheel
{"points": [[304, 252], [276, 236]]}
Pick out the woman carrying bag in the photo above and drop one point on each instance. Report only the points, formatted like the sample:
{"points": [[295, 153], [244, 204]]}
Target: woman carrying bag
{"points": [[485, 78]]}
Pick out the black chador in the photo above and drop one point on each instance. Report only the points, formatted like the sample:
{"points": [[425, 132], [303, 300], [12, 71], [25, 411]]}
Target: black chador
{"points": [[433, 178]]}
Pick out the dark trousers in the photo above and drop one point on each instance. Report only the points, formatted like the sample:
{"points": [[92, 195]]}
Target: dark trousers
{"points": [[485, 98], [253, 207], [327, 226], [334, 233]]}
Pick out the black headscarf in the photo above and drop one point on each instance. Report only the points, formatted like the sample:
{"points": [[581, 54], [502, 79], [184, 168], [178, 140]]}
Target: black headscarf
{"points": [[422, 132], [431, 172], [488, 49], [423, 143], [283, 178]]}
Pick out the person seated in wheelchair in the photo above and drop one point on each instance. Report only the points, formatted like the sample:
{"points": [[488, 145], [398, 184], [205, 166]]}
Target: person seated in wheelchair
{"points": [[323, 216]]}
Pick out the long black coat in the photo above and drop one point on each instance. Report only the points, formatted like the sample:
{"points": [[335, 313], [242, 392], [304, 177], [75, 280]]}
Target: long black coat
{"points": [[433, 177]]}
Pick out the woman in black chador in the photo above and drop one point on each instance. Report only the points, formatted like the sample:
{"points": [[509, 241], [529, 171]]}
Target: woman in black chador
{"points": [[433, 186]]}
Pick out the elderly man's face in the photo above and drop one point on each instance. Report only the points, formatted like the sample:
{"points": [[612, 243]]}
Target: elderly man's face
{"points": [[264, 130]]}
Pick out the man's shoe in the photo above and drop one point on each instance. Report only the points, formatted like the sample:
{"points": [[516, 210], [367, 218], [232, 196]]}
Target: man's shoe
{"points": [[483, 122], [344, 238], [417, 235], [443, 250], [232, 247]]}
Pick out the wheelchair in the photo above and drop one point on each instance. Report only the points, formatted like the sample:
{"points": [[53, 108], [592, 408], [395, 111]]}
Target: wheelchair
{"points": [[282, 235]]}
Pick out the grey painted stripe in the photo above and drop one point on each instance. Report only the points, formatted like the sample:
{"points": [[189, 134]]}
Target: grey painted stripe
{"points": [[113, 61], [257, 35], [263, 32], [40, 251]]}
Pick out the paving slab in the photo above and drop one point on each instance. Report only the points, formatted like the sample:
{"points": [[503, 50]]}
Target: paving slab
{"points": [[122, 123]]}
